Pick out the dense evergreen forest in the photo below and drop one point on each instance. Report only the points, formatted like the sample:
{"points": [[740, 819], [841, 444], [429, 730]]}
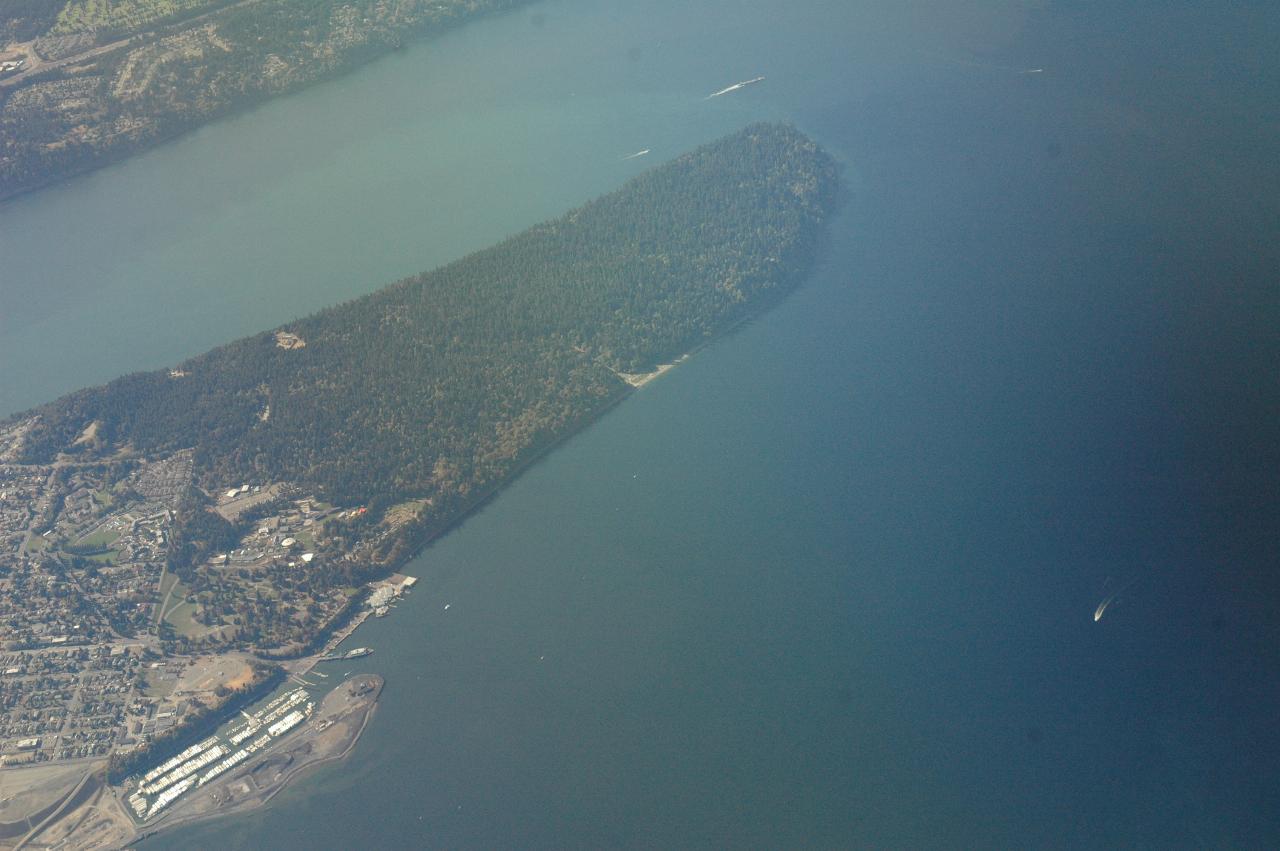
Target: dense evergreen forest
{"points": [[439, 386], [25, 19]]}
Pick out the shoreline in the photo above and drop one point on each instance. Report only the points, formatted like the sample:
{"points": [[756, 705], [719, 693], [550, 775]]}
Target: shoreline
{"points": [[640, 379], [93, 814], [607, 386], [181, 126], [239, 791], [631, 383]]}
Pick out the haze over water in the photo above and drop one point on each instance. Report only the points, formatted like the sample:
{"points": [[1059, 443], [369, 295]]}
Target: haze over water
{"points": [[832, 581]]}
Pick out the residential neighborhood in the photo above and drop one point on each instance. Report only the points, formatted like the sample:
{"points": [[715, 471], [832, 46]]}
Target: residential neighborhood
{"points": [[104, 645]]}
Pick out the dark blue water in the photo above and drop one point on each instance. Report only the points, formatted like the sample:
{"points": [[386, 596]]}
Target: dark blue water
{"points": [[831, 582]]}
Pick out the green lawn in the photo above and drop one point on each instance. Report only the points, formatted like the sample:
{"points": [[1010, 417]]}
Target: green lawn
{"points": [[176, 610], [167, 581], [181, 617], [157, 687], [99, 540]]}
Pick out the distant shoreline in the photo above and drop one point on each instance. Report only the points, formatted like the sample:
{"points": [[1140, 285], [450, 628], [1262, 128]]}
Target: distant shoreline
{"points": [[170, 126]]}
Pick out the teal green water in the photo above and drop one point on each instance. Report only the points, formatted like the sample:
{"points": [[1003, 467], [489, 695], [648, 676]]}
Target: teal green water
{"points": [[830, 582]]}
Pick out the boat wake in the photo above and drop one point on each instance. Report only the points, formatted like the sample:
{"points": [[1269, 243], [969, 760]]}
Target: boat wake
{"points": [[1111, 598], [985, 66], [733, 88]]}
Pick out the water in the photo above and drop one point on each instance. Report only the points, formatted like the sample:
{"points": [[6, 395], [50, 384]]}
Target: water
{"points": [[831, 582]]}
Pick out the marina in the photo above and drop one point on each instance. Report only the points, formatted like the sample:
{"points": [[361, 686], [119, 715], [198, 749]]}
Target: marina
{"points": [[182, 771], [244, 733], [198, 765], [177, 760], [168, 797], [161, 786], [305, 734], [230, 762]]}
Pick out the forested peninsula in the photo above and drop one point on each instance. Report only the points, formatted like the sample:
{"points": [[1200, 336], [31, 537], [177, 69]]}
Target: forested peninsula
{"points": [[271, 477], [87, 82]]}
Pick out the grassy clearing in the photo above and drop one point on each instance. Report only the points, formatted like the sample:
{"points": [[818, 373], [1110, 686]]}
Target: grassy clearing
{"points": [[169, 586], [181, 617], [403, 512], [167, 581], [157, 687], [100, 539], [175, 609], [242, 679]]}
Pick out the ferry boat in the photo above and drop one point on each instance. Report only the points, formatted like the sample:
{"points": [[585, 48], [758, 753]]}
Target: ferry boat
{"points": [[350, 654]]}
